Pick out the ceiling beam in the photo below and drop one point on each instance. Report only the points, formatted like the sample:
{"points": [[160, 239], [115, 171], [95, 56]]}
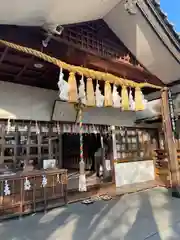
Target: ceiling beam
{"points": [[3, 54], [24, 68]]}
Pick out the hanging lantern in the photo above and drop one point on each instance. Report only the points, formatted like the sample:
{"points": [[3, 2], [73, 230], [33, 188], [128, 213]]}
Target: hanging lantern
{"points": [[99, 96], [82, 93], [90, 93], [124, 98], [107, 95], [116, 98], [72, 87], [63, 87]]}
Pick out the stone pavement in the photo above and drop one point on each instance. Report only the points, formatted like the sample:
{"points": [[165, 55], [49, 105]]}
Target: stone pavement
{"points": [[151, 215]]}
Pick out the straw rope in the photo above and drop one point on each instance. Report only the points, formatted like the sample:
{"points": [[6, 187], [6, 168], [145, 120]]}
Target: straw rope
{"points": [[79, 70]]}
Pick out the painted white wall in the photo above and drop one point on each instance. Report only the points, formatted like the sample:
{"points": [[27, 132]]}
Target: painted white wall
{"points": [[133, 172], [30, 103], [25, 102]]}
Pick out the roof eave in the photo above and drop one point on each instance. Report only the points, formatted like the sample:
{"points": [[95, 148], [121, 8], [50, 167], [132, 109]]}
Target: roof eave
{"points": [[174, 42]]}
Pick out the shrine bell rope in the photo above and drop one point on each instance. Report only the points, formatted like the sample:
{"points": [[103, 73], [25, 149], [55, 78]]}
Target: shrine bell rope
{"points": [[101, 76]]}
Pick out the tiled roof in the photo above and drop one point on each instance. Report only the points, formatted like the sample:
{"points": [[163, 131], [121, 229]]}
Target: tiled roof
{"points": [[164, 17]]}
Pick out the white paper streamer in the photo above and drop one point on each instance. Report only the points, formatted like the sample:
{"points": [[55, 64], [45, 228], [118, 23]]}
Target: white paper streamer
{"points": [[58, 178], [37, 129], [131, 101], [116, 98], [8, 125], [99, 97], [144, 102], [63, 87], [82, 93], [27, 184], [44, 181], [6, 189]]}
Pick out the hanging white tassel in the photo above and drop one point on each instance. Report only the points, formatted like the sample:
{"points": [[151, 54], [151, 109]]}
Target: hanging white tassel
{"points": [[58, 179], [6, 189], [144, 101], [44, 181], [63, 87], [101, 171], [37, 129], [99, 97], [82, 93], [27, 184], [8, 125], [58, 128], [116, 98], [131, 101]]}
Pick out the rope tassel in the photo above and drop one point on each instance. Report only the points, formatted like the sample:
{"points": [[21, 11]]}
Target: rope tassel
{"points": [[108, 95], [73, 93], [139, 100], [91, 102], [124, 98]]}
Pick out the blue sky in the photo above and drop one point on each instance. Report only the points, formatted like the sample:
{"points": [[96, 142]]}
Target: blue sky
{"points": [[172, 8]]}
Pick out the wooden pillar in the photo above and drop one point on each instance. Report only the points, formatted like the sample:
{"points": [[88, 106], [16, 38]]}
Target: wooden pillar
{"points": [[113, 129], [169, 138]]}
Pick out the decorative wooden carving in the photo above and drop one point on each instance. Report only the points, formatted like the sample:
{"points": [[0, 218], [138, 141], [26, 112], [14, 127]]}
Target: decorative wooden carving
{"points": [[96, 37], [130, 6]]}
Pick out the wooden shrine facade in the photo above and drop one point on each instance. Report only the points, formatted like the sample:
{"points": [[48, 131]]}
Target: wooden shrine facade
{"points": [[38, 141]]}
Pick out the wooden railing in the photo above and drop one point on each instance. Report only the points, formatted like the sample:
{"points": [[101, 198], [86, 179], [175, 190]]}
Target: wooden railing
{"points": [[47, 189], [161, 165]]}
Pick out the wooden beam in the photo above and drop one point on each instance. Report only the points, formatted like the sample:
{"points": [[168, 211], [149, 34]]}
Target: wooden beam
{"points": [[117, 67], [3, 54], [169, 139], [120, 69], [24, 68]]}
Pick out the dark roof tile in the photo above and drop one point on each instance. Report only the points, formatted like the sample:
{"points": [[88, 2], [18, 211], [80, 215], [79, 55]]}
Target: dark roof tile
{"points": [[164, 16]]}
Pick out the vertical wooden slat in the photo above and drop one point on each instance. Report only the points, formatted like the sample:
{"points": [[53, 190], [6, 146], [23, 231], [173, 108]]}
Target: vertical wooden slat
{"points": [[34, 194], [2, 144], [39, 138], [28, 143], [21, 196]]}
